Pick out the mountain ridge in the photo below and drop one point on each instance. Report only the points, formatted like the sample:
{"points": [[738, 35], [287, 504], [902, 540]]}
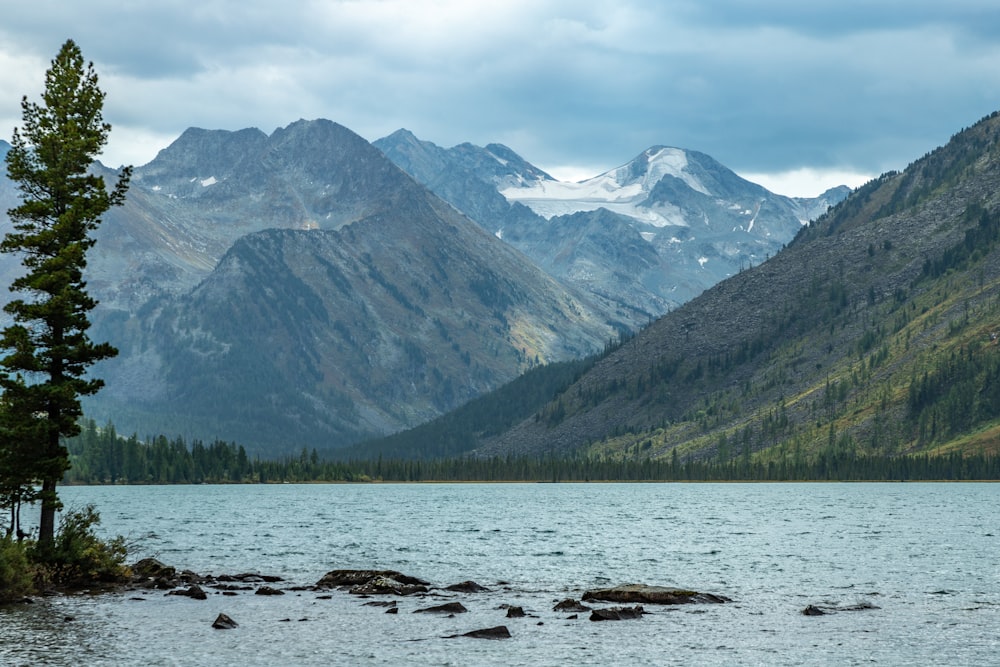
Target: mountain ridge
{"points": [[684, 236]]}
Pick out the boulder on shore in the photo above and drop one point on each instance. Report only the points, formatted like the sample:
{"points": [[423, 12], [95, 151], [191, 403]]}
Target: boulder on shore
{"points": [[150, 568], [642, 593]]}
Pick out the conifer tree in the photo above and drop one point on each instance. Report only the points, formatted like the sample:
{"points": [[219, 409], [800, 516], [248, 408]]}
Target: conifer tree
{"points": [[47, 350]]}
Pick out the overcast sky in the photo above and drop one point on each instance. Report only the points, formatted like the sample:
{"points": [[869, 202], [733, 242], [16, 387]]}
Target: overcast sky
{"points": [[797, 95]]}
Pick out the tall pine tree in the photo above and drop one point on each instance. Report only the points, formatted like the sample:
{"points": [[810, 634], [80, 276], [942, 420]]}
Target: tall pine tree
{"points": [[47, 350]]}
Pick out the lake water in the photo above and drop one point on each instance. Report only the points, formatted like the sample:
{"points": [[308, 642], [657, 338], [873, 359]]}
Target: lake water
{"points": [[923, 556]]}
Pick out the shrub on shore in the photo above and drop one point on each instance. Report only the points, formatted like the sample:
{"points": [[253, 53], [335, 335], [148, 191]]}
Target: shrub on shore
{"points": [[16, 571], [78, 558]]}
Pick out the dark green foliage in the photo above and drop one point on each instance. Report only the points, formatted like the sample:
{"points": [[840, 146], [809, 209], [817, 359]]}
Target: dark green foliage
{"points": [[78, 557], [101, 456], [47, 349], [979, 240], [960, 393], [166, 461], [16, 571], [75, 558]]}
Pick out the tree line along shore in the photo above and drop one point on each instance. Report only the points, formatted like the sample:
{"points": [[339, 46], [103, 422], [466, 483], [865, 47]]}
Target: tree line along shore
{"points": [[102, 456]]}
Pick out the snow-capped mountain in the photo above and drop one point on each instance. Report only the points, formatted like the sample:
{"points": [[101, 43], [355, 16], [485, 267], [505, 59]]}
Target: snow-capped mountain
{"points": [[628, 190], [650, 234], [623, 190]]}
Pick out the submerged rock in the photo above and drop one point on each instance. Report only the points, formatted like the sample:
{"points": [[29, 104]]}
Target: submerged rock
{"points": [[249, 578], [466, 587], [652, 595], [823, 610], [617, 613], [499, 632], [267, 590], [447, 608]]}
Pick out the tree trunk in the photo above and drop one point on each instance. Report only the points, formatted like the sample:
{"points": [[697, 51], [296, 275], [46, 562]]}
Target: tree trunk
{"points": [[47, 524]]}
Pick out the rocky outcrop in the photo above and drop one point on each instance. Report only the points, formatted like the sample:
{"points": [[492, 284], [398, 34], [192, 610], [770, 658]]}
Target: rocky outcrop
{"points": [[652, 595]]}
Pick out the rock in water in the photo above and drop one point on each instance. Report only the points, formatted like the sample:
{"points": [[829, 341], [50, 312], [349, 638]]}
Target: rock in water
{"points": [[335, 578], [569, 604], [499, 632], [447, 608], [642, 593], [223, 622], [617, 613], [387, 586], [195, 592], [466, 587]]}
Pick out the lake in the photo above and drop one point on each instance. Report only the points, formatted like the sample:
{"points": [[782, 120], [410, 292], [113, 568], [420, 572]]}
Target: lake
{"points": [[920, 559]]}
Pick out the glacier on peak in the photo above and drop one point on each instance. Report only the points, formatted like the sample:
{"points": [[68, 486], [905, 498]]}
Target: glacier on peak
{"points": [[621, 190]]}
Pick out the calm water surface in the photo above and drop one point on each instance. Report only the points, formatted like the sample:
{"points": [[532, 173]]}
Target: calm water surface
{"points": [[925, 555]]}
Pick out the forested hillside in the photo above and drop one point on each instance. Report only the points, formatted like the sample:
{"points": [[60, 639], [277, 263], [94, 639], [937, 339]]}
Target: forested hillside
{"points": [[873, 333]]}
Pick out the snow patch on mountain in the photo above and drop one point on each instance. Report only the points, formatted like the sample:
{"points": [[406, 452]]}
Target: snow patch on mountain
{"points": [[620, 190]]}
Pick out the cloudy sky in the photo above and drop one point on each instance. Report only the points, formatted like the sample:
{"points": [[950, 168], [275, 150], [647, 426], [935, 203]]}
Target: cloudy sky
{"points": [[795, 95]]}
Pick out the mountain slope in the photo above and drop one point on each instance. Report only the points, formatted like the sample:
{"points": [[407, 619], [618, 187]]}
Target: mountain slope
{"points": [[685, 220], [874, 331], [298, 289]]}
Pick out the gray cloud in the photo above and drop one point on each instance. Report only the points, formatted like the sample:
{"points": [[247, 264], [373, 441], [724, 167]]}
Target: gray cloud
{"points": [[768, 86]]}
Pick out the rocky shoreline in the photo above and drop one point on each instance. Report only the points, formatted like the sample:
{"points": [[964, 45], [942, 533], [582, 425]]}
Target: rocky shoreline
{"points": [[388, 588]]}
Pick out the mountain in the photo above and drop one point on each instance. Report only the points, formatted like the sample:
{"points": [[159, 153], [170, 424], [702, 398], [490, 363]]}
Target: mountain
{"points": [[875, 331], [648, 235], [298, 289]]}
